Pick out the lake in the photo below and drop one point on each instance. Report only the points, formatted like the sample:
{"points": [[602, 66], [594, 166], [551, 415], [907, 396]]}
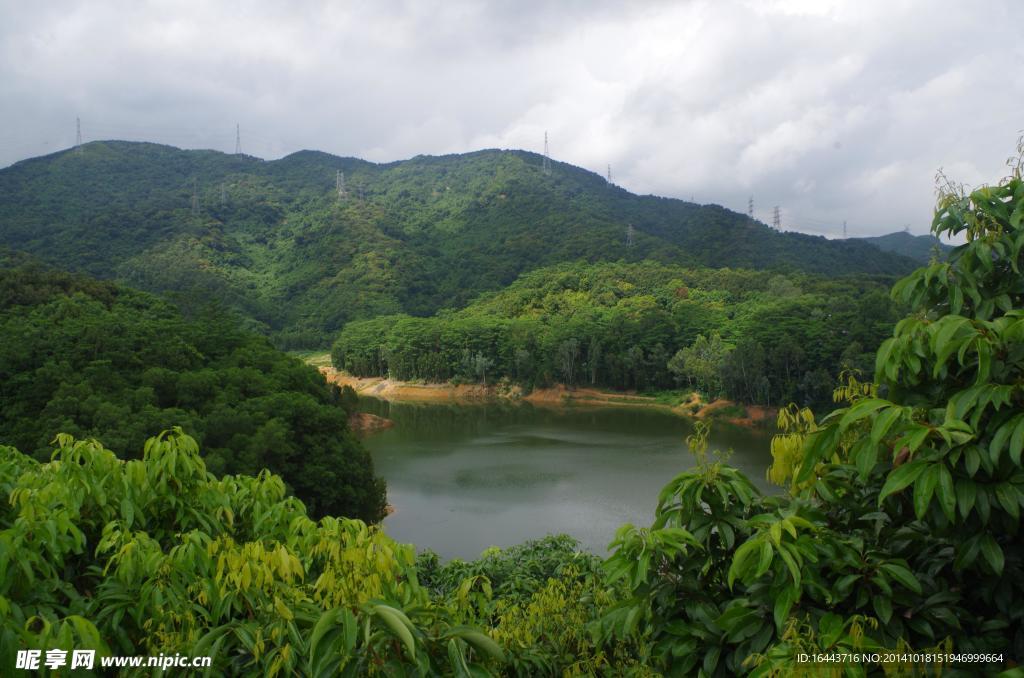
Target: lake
{"points": [[462, 478]]}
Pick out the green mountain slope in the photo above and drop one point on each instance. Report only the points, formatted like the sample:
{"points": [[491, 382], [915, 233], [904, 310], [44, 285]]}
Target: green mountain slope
{"points": [[95, 359], [916, 247], [618, 325], [275, 241]]}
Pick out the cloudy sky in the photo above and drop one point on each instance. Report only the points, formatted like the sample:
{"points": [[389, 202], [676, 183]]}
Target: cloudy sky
{"points": [[834, 111]]}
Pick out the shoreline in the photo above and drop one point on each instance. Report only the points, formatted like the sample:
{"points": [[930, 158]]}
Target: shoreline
{"points": [[556, 396]]}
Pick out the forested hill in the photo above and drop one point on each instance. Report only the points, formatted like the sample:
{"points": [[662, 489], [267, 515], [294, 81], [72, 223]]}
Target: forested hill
{"points": [[275, 241], [917, 247], [95, 359]]}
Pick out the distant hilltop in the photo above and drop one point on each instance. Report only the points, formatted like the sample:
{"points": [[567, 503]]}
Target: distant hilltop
{"points": [[917, 247]]}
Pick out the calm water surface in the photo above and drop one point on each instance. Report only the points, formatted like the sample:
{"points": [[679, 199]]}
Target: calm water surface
{"points": [[466, 477]]}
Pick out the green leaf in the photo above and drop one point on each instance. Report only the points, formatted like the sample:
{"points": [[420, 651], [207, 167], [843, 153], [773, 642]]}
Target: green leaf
{"points": [[765, 559], [739, 560], [830, 628], [794, 570], [924, 487], [480, 641], [399, 625], [862, 409], [903, 575], [884, 422], [783, 604], [993, 553], [1007, 497], [883, 608], [457, 660], [1017, 441], [901, 477], [943, 342], [865, 456], [946, 492], [972, 460], [966, 491]]}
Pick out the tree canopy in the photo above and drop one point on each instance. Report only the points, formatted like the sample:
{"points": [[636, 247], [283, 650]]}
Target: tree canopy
{"points": [[644, 325], [93, 359]]}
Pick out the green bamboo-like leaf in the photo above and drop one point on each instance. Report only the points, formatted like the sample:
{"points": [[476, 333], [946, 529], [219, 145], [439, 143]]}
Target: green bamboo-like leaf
{"points": [[966, 491], [783, 604], [765, 558], [1006, 495], [993, 553], [794, 569], [924, 487], [946, 492], [457, 660], [480, 641], [883, 607], [739, 560], [1017, 441], [884, 422], [903, 575], [862, 409], [901, 477], [399, 626]]}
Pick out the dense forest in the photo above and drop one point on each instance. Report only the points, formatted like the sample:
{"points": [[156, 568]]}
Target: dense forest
{"points": [[276, 242], [921, 248], [897, 531], [93, 359], [754, 336]]}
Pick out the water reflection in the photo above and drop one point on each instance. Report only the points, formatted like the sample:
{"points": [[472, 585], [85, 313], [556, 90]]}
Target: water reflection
{"points": [[465, 477]]}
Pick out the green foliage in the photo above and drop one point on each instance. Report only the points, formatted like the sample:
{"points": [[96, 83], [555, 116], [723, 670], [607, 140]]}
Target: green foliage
{"points": [[167, 558], [273, 241], [156, 555], [902, 525], [921, 248], [96, 360], [641, 326]]}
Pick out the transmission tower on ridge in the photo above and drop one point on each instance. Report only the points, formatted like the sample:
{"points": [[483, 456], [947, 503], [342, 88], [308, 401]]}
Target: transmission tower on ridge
{"points": [[547, 158], [238, 139], [844, 229], [630, 232], [339, 181], [750, 207], [777, 219], [609, 174], [78, 135], [195, 197]]}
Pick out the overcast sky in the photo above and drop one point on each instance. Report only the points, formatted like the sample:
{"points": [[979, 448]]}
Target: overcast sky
{"points": [[831, 110]]}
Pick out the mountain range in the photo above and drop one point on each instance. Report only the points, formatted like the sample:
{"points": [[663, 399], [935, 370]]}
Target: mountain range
{"points": [[301, 245]]}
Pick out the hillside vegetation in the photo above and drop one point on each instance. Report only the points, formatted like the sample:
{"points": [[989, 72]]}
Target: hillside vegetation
{"points": [[920, 248], [93, 359], [755, 336], [274, 241]]}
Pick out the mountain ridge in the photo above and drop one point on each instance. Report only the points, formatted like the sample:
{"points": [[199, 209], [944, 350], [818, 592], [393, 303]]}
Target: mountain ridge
{"points": [[274, 240]]}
